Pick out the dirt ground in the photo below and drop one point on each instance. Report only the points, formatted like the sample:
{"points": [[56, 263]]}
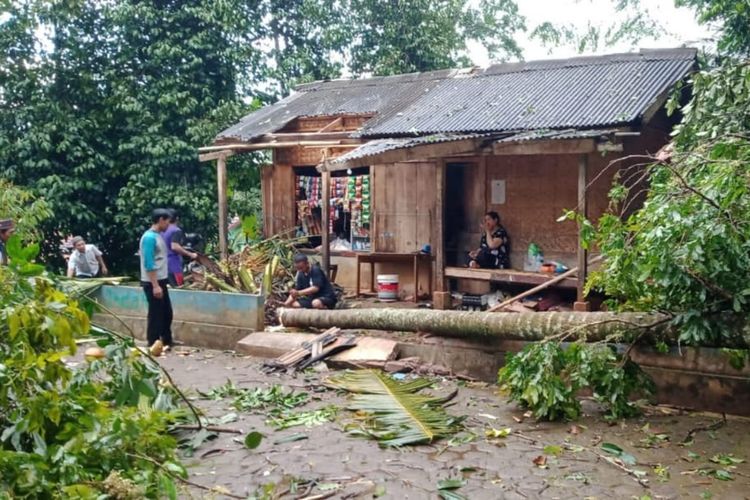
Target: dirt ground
{"points": [[337, 465]]}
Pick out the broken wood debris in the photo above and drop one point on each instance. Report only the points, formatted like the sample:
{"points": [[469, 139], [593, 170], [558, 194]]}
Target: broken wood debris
{"points": [[317, 349]]}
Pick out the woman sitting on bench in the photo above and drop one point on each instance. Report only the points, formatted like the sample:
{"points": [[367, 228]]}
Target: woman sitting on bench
{"points": [[494, 248]]}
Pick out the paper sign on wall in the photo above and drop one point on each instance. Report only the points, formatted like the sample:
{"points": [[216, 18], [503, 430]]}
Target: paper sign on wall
{"points": [[498, 192]]}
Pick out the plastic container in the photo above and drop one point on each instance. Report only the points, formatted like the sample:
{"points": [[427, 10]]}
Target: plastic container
{"points": [[388, 287], [534, 259]]}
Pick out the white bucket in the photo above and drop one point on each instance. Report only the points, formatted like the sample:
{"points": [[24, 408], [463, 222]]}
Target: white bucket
{"points": [[388, 286]]}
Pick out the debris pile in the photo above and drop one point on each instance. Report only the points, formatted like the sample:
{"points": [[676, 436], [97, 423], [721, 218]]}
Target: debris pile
{"points": [[264, 268]]}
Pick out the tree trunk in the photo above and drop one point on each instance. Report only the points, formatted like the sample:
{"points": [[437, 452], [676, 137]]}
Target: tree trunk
{"points": [[592, 326]]}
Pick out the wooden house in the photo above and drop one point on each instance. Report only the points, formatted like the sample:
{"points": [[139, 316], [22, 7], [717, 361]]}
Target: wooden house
{"points": [[412, 160]]}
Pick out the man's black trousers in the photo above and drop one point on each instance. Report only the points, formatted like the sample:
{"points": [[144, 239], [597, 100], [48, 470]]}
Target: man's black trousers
{"points": [[159, 324]]}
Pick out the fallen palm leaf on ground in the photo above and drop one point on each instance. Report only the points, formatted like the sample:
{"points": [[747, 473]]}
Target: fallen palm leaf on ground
{"points": [[393, 412]]}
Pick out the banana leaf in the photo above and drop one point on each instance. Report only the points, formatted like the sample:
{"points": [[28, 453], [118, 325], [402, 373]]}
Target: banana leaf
{"points": [[398, 414]]}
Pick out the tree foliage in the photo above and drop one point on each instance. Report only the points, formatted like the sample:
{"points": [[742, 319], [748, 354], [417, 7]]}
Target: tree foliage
{"points": [[732, 18], [104, 114], [686, 251], [27, 211], [636, 23], [98, 429], [420, 35], [547, 377]]}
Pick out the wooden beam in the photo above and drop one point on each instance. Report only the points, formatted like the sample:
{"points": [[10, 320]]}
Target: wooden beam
{"points": [[338, 122], [583, 211], [221, 181], [215, 155], [255, 146], [414, 153], [305, 136], [325, 222], [438, 246], [545, 147], [610, 147]]}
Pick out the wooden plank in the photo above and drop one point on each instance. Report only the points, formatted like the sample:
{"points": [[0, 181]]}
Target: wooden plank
{"points": [[254, 146], [367, 349], [545, 147], [266, 195], [221, 181], [305, 136], [337, 123], [506, 276], [272, 345], [583, 211], [284, 208], [226, 153], [438, 245]]}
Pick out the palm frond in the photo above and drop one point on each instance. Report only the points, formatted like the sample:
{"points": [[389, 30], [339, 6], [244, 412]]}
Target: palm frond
{"points": [[399, 415], [85, 288]]}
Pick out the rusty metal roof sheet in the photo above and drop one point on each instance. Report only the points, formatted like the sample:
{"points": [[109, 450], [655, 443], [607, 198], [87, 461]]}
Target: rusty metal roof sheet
{"points": [[584, 92]]}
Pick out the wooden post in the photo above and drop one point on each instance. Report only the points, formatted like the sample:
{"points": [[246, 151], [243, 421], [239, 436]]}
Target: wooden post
{"points": [[441, 297], [438, 246], [325, 220], [221, 181], [581, 303]]}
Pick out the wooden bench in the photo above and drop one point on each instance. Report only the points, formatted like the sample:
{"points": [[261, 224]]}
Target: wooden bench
{"points": [[507, 276]]}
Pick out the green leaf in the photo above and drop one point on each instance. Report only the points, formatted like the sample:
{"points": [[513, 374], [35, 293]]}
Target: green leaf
{"points": [[615, 450], [451, 484], [253, 440], [552, 449]]}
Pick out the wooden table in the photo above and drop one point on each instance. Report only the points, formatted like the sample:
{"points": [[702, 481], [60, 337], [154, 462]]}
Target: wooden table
{"points": [[415, 259]]}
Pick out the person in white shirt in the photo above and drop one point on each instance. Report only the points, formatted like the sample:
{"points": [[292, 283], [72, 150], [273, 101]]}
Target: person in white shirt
{"points": [[85, 261]]}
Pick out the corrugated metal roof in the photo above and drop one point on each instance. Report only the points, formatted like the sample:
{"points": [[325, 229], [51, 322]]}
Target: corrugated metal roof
{"points": [[382, 95], [602, 92], [547, 134], [379, 146], [584, 92]]}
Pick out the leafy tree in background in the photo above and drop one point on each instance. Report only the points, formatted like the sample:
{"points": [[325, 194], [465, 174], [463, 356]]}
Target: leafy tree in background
{"points": [[306, 40], [732, 17], [420, 35], [636, 24], [105, 116]]}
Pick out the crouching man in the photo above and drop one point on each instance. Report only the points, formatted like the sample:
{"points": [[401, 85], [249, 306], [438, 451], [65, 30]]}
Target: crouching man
{"points": [[312, 289]]}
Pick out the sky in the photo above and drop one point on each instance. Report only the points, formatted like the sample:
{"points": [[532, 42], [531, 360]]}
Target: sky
{"points": [[679, 24]]}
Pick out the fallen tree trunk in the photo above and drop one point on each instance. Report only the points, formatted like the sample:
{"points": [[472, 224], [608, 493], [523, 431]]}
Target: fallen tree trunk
{"points": [[592, 326]]}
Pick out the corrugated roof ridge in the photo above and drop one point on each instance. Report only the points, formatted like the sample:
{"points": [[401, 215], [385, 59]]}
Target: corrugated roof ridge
{"points": [[402, 78], [506, 67], [678, 53]]}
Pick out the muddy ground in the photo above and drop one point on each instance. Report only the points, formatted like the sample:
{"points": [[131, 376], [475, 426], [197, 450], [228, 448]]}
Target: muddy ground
{"points": [[333, 464]]}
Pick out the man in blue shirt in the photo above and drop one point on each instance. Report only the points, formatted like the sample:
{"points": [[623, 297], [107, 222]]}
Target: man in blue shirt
{"points": [[154, 279], [312, 289]]}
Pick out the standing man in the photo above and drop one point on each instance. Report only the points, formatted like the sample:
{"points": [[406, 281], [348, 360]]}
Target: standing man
{"points": [[174, 237], [85, 260], [7, 228], [312, 289], [153, 252]]}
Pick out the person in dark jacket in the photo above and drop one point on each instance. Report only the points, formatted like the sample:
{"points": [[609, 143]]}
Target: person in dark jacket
{"points": [[494, 247], [312, 289]]}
